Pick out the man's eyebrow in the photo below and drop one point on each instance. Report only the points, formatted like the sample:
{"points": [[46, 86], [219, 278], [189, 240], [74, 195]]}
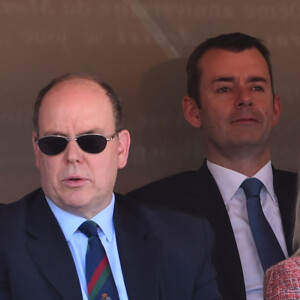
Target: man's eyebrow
{"points": [[49, 132], [231, 79], [257, 79], [223, 79], [92, 131], [89, 131]]}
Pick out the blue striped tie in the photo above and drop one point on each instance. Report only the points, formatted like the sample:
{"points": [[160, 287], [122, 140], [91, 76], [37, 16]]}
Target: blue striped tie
{"points": [[99, 277]]}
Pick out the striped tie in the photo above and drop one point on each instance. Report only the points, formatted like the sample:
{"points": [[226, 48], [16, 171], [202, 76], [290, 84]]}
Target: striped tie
{"points": [[100, 281]]}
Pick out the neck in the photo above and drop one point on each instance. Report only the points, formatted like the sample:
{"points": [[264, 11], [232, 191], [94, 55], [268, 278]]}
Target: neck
{"points": [[245, 163]]}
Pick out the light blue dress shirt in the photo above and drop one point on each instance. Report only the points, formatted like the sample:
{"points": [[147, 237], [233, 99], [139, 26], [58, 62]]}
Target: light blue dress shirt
{"points": [[229, 182], [77, 242]]}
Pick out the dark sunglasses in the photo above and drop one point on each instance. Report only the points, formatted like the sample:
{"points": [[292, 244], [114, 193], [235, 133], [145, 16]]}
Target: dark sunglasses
{"points": [[90, 143]]}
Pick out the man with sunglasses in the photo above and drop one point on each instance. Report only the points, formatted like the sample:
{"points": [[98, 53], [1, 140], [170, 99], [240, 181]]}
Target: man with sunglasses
{"points": [[51, 238], [231, 100]]}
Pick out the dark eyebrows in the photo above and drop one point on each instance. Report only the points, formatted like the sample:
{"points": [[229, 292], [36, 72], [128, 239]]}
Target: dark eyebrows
{"points": [[250, 79], [224, 79], [257, 79], [90, 131]]}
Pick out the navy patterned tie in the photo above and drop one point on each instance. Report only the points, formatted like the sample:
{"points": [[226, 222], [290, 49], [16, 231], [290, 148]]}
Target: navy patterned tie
{"points": [[100, 282], [268, 248]]}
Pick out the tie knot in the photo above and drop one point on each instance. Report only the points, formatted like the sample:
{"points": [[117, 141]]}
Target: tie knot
{"points": [[252, 187], [89, 228]]}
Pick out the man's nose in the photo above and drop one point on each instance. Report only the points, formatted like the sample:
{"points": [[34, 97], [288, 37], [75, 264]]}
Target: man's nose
{"points": [[73, 152], [244, 97]]}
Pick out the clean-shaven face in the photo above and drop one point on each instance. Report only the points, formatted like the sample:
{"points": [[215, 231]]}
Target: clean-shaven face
{"points": [[79, 182], [238, 109]]}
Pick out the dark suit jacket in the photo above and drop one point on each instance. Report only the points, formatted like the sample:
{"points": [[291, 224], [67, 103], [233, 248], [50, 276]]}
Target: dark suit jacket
{"points": [[196, 192], [162, 256]]}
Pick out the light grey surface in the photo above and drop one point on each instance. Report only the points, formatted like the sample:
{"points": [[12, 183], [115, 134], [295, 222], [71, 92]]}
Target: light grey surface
{"points": [[140, 47]]}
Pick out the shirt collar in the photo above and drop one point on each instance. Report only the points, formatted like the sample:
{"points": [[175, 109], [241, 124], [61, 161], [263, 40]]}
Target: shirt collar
{"points": [[69, 223], [229, 181]]}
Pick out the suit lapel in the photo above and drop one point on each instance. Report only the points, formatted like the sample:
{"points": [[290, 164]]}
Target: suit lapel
{"points": [[140, 252], [206, 199], [285, 186], [49, 249]]}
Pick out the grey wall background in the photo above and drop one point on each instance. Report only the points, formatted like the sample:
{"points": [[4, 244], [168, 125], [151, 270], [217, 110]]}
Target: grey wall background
{"points": [[140, 47]]}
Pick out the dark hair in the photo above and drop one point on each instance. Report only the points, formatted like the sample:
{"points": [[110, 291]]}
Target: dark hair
{"points": [[235, 42], [114, 98]]}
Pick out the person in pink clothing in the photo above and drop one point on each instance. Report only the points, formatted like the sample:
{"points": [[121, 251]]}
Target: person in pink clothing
{"points": [[282, 281]]}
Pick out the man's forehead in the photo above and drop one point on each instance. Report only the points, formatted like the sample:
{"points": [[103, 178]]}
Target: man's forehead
{"points": [[76, 97], [75, 85], [214, 53], [76, 91], [226, 61], [80, 109]]}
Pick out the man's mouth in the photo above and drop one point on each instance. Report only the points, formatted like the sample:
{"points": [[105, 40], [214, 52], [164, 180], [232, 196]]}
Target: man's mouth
{"points": [[74, 181], [245, 120]]}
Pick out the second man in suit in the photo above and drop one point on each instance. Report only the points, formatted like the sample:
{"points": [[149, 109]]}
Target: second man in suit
{"points": [[231, 100]]}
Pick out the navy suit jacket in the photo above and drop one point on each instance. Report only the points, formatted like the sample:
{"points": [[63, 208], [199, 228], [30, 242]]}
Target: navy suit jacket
{"points": [[162, 256], [197, 193]]}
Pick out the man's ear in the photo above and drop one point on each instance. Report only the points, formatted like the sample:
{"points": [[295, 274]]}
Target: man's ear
{"points": [[123, 147], [276, 109], [36, 149], [191, 111]]}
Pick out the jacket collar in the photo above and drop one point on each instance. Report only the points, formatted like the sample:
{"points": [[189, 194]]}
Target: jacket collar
{"points": [[139, 251], [48, 248]]}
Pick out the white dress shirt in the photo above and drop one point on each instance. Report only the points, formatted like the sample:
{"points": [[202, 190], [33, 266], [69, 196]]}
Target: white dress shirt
{"points": [[229, 182], [78, 241]]}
